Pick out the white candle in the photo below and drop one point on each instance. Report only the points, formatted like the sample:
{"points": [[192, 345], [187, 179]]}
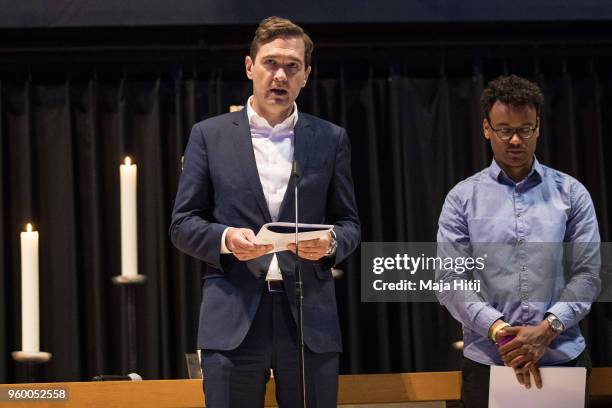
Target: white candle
{"points": [[30, 326], [129, 240]]}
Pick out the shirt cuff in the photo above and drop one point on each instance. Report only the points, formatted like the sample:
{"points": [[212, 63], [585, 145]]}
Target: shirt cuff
{"points": [[563, 312], [335, 249], [224, 249], [485, 318]]}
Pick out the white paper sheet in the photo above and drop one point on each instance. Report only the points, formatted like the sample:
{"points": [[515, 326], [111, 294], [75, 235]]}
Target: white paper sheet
{"points": [[280, 240], [562, 387]]}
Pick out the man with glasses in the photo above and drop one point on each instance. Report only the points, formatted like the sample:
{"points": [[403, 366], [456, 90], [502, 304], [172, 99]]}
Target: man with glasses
{"points": [[514, 202]]}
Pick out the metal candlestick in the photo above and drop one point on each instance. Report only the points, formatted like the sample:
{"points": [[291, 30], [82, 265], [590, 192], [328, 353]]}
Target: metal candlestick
{"points": [[30, 359], [128, 283]]}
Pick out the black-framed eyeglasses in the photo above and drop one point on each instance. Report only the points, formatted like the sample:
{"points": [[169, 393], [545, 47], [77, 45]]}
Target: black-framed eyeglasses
{"points": [[506, 133]]}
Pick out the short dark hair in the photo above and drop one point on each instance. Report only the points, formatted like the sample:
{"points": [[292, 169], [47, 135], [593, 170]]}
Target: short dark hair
{"points": [[511, 90], [274, 27]]}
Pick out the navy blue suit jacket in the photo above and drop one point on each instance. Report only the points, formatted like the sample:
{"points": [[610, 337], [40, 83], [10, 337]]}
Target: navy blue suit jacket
{"points": [[220, 187]]}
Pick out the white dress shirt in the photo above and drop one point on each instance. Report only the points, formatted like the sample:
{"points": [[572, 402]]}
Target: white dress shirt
{"points": [[273, 149]]}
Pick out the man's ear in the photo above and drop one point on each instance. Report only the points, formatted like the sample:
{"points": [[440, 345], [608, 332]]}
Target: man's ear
{"points": [[486, 129], [306, 75], [248, 65]]}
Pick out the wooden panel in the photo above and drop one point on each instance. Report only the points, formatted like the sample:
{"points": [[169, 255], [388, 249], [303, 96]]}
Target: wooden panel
{"points": [[601, 382], [156, 393], [380, 388], [353, 389]]}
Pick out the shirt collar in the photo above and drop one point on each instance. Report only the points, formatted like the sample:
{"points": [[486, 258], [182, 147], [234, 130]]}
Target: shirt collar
{"points": [[257, 121], [499, 175]]}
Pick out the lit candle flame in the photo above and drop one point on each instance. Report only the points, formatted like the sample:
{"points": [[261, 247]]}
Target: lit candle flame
{"points": [[29, 227], [128, 161]]}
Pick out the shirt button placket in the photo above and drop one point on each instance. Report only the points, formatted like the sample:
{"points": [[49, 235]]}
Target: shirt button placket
{"points": [[520, 235]]}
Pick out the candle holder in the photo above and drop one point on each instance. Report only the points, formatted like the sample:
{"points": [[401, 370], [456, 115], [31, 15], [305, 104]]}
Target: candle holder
{"points": [[128, 284], [30, 359], [129, 279]]}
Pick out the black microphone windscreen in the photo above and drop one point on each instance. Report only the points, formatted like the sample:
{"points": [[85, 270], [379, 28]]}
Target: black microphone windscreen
{"points": [[295, 170]]}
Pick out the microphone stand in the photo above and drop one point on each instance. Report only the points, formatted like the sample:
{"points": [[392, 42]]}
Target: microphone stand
{"points": [[299, 293]]}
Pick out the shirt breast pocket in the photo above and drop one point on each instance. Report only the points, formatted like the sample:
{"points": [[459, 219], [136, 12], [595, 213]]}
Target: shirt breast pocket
{"points": [[548, 230], [491, 229]]}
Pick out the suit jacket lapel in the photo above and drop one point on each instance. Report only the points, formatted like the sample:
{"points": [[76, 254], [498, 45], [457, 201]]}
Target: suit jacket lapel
{"points": [[246, 160], [303, 142]]}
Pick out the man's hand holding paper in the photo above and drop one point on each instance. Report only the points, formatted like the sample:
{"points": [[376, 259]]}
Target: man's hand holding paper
{"points": [[314, 239], [240, 242], [313, 249], [527, 347]]}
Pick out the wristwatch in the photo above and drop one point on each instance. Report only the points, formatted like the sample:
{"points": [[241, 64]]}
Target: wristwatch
{"points": [[332, 245], [555, 324]]}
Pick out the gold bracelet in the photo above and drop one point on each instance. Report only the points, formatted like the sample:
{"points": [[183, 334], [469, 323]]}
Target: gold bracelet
{"points": [[497, 330]]}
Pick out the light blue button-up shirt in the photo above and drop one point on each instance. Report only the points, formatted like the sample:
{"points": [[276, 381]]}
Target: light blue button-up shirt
{"points": [[546, 208]]}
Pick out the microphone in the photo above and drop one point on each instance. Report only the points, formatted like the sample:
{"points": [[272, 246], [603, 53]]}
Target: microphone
{"points": [[299, 293], [295, 171], [295, 175], [129, 377]]}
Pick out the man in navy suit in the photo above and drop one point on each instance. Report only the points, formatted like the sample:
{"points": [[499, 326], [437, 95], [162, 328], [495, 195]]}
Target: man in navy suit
{"points": [[236, 178]]}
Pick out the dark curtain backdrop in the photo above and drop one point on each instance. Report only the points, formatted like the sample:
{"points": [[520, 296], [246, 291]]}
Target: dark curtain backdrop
{"points": [[414, 135]]}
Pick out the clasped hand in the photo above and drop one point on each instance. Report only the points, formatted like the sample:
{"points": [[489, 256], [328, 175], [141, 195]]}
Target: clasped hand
{"points": [[524, 351]]}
